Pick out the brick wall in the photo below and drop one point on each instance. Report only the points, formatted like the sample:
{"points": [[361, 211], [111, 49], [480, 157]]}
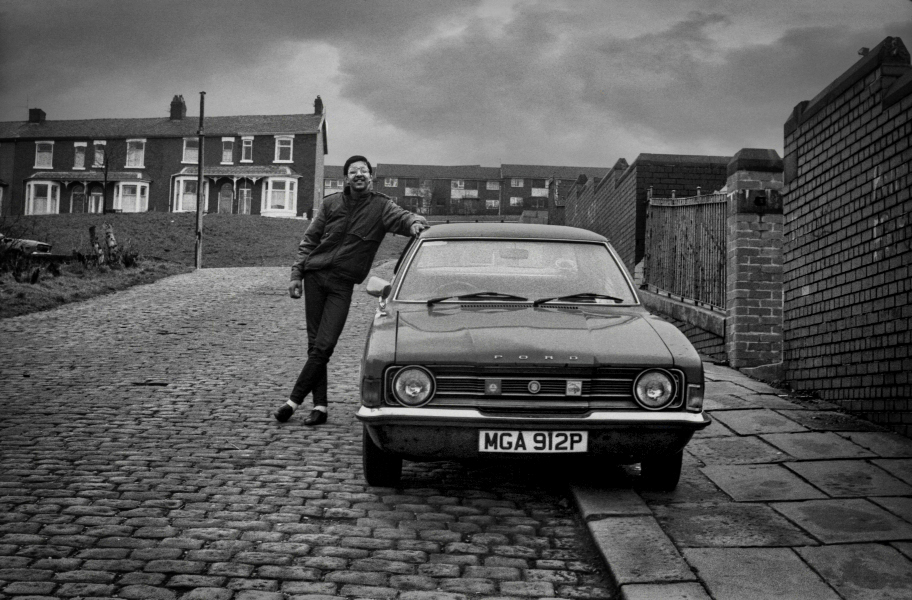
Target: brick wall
{"points": [[847, 250]]}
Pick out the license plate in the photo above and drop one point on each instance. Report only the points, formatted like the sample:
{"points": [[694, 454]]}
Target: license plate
{"points": [[533, 441]]}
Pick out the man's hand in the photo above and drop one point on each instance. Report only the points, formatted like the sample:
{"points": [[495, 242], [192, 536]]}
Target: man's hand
{"points": [[418, 227], [295, 288]]}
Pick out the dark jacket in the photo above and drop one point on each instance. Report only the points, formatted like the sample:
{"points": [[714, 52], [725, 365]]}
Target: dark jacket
{"points": [[346, 233]]}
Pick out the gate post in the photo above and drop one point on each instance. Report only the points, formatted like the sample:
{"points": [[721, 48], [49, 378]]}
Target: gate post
{"points": [[753, 327]]}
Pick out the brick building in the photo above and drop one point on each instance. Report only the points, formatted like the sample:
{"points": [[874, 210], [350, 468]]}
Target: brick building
{"points": [[270, 165], [614, 204], [848, 234]]}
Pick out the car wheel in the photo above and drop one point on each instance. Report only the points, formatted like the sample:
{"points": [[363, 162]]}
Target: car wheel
{"points": [[662, 473], [380, 469]]}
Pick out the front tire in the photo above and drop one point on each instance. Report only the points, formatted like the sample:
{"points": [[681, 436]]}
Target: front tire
{"points": [[380, 469], [662, 473]]}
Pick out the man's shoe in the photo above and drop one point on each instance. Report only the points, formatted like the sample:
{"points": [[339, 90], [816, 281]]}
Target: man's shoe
{"points": [[283, 414], [316, 417]]}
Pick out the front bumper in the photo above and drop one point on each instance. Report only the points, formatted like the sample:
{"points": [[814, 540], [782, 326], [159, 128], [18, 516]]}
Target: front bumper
{"points": [[443, 434]]}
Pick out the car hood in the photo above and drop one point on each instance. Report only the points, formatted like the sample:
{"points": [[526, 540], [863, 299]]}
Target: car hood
{"points": [[501, 336]]}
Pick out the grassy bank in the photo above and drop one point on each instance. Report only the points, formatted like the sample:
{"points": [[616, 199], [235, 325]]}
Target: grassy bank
{"points": [[165, 243]]}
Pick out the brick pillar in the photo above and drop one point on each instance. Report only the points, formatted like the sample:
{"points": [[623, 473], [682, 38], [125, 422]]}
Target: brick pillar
{"points": [[753, 328]]}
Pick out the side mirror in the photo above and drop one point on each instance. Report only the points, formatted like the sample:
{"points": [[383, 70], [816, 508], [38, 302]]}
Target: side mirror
{"points": [[378, 288]]}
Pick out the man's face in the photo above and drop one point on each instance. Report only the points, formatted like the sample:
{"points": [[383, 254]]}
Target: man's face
{"points": [[358, 176]]}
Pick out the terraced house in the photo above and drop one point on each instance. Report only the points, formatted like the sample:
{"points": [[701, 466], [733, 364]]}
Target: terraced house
{"points": [[270, 165]]}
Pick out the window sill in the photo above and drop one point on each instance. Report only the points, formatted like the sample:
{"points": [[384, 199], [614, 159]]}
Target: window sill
{"points": [[227, 163], [41, 167], [283, 162], [279, 213], [79, 168], [184, 162], [247, 161], [134, 166]]}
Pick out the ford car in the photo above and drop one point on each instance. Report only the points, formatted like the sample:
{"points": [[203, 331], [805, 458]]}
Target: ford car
{"points": [[522, 341]]}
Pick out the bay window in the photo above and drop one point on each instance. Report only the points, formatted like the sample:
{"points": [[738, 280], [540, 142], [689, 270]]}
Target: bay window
{"points": [[42, 198], [44, 155], [185, 193], [281, 197], [131, 197]]}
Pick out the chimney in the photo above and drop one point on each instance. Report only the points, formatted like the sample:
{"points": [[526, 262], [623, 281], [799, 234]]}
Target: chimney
{"points": [[36, 115], [318, 106], [178, 108]]}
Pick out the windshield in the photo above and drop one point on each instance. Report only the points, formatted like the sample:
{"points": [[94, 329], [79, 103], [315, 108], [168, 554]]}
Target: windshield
{"points": [[529, 269]]}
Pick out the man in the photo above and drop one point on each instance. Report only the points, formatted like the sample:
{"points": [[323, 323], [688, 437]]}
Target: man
{"points": [[337, 252]]}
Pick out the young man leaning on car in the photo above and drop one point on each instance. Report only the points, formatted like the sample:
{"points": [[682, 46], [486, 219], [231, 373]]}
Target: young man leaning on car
{"points": [[337, 252]]}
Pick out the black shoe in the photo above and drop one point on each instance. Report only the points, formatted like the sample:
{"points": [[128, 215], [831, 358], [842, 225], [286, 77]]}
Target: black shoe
{"points": [[316, 417], [283, 414]]}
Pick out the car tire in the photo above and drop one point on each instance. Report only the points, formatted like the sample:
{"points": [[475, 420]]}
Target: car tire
{"points": [[662, 473], [380, 468]]}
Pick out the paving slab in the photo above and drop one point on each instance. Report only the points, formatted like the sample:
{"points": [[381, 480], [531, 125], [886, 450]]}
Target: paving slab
{"points": [[882, 443], [664, 591], [850, 478], [900, 468], [904, 547], [715, 429], [757, 421], [774, 402], [899, 506], [728, 525], [760, 483], [638, 551], [726, 387], [757, 574], [735, 450], [816, 445], [843, 521], [693, 487], [862, 571], [596, 502], [725, 402], [827, 420]]}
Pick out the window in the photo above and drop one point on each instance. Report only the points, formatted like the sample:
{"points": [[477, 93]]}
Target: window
{"points": [[42, 198], [332, 184], [131, 197], [516, 201], [78, 199], [281, 196], [96, 200], [185, 193], [44, 156], [191, 150], [390, 182], [493, 185], [100, 152], [495, 204], [516, 182], [227, 150], [136, 153], [283, 148], [79, 155], [457, 184], [245, 195], [247, 148]]}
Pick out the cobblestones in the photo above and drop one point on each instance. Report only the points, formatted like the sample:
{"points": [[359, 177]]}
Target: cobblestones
{"points": [[140, 460]]}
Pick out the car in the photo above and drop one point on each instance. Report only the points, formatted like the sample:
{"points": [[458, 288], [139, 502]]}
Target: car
{"points": [[23, 247], [512, 340]]}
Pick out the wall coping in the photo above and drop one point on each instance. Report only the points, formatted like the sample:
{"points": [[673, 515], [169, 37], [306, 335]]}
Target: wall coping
{"points": [[704, 318]]}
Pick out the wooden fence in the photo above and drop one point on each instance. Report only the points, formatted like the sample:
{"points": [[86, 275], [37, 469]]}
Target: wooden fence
{"points": [[686, 248]]}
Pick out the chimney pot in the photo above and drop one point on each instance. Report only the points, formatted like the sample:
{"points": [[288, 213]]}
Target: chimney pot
{"points": [[36, 115]]}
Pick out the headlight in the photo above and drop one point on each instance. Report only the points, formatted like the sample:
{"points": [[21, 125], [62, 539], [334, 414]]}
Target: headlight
{"points": [[654, 390], [413, 386]]}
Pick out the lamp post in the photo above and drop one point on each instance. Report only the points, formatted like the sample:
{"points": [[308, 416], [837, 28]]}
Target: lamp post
{"points": [[199, 187]]}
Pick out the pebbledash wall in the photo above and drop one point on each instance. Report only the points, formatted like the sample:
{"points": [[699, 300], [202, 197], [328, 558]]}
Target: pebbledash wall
{"points": [[847, 231]]}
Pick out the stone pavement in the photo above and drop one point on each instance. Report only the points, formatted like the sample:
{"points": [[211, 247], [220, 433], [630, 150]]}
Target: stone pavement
{"points": [[139, 460], [779, 498]]}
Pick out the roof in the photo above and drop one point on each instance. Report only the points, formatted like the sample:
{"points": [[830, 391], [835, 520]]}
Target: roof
{"points": [[243, 171], [679, 159], [88, 176], [545, 171], [510, 230], [162, 127], [437, 171], [333, 172]]}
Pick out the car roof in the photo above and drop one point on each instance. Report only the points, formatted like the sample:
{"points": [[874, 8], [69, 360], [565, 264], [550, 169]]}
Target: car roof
{"points": [[510, 230]]}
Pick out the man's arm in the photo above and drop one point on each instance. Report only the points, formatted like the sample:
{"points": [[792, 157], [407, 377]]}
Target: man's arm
{"points": [[311, 240], [398, 220]]}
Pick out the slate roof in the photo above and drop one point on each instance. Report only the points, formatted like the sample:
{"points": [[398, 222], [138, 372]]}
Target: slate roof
{"points": [[161, 127], [545, 171], [243, 171], [88, 176], [437, 171], [331, 172]]}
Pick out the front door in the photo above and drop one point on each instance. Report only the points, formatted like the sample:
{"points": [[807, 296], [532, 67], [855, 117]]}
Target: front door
{"points": [[226, 198], [245, 194]]}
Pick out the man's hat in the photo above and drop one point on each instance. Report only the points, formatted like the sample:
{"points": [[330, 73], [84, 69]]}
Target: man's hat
{"points": [[354, 159]]}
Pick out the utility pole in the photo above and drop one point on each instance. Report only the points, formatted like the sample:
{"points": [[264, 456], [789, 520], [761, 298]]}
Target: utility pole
{"points": [[200, 199]]}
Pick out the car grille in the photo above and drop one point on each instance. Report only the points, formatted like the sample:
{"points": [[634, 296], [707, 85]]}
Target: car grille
{"points": [[602, 388]]}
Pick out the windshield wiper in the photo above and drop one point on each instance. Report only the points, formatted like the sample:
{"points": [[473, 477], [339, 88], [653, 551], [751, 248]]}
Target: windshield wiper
{"points": [[479, 296], [582, 296]]}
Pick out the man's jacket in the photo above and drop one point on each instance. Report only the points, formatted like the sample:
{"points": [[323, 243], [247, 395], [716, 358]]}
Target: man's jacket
{"points": [[346, 233]]}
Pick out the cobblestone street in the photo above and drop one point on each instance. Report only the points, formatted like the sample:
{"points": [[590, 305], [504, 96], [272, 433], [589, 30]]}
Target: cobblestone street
{"points": [[140, 460]]}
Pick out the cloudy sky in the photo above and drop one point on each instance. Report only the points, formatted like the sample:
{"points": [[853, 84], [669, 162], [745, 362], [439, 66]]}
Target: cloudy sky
{"points": [[485, 82]]}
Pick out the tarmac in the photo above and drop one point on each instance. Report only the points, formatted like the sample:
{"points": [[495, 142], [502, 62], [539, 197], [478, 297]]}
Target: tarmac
{"points": [[139, 460]]}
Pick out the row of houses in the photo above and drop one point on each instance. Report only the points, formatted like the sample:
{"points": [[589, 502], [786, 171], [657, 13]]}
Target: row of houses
{"points": [[270, 165]]}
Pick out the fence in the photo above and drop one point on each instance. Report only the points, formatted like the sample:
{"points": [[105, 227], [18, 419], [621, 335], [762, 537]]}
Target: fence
{"points": [[686, 248]]}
